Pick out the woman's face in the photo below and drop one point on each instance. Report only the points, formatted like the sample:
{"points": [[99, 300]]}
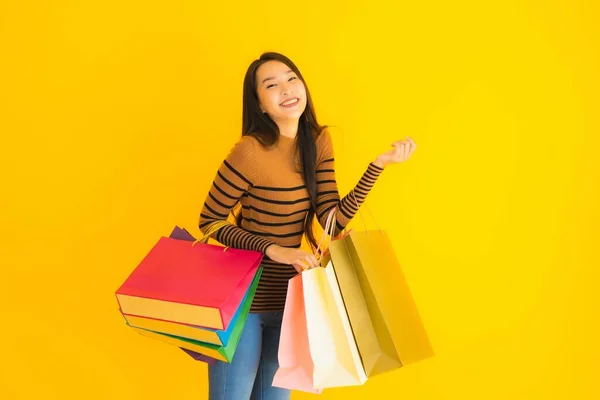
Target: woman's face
{"points": [[281, 93]]}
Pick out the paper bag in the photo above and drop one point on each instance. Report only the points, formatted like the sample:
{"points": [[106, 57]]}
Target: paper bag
{"points": [[387, 326], [331, 341]]}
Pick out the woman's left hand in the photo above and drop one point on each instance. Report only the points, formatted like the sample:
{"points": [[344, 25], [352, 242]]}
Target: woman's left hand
{"points": [[401, 152]]}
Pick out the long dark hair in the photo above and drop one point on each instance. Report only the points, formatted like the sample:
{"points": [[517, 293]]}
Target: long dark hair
{"points": [[265, 130]]}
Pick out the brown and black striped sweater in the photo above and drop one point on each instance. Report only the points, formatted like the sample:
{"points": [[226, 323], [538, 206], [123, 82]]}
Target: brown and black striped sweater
{"points": [[268, 183]]}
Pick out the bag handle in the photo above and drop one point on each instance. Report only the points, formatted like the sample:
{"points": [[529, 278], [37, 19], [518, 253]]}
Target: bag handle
{"points": [[362, 215], [329, 230], [212, 229]]}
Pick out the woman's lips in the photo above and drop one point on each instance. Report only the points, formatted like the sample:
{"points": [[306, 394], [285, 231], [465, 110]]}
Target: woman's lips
{"points": [[290, 103]]}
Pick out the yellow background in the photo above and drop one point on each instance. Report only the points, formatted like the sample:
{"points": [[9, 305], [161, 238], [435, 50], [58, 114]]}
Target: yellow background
{"points": [[114, 116]]}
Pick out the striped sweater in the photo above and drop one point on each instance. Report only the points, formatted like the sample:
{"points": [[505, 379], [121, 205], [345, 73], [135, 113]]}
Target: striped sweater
{"points": [[274, 202]]}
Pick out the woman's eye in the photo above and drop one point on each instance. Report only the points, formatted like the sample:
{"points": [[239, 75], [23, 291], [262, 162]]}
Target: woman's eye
{"points": [[292, 78]]}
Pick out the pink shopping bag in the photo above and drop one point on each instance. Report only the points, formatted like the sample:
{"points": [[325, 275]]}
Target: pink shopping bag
{"points": [[295, 362]]}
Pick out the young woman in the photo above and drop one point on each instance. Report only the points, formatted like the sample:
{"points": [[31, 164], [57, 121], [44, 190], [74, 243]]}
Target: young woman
{"points": [[281, 172]]}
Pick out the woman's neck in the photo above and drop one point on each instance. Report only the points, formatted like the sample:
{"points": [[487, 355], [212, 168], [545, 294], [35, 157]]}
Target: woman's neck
{"points": [[288, 128]]}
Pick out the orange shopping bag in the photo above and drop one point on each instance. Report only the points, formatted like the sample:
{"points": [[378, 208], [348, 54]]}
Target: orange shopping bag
{"points": [[295, 362]]}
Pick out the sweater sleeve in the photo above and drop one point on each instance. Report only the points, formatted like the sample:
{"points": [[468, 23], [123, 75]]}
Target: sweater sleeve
{"points": [[328, 196], [233, 178]]}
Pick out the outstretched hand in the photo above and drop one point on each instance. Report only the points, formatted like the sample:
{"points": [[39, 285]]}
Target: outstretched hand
{"points": [[401, 152]]}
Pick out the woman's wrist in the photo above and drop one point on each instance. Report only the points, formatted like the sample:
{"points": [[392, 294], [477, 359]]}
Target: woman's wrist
{"points": [[270, 250], [378, 163]]}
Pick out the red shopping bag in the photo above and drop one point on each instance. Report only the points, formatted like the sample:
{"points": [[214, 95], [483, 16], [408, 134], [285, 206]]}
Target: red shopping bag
{"points": [[191, 283], [183, 234]]}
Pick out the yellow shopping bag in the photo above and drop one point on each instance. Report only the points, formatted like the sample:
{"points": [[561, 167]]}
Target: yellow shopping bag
{"points": [[385, 320]]}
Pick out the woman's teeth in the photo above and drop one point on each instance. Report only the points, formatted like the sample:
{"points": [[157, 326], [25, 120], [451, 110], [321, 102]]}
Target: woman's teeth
{"points": [[289, 102]]}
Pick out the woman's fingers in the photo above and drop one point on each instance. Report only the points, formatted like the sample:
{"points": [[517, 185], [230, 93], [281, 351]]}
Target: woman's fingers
{"points": [[413, 146], [315, 261], [307, 261], [402, 149], [299, 266], [311, 261]]}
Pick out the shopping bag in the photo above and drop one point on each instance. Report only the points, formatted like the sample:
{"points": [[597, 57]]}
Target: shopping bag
{"points": [[198, 284], [183, 234], [213, 336], [216, 352], [331, 341], [385, 320], [199, 357], [317, 348], [295, 371], [358, 313]]}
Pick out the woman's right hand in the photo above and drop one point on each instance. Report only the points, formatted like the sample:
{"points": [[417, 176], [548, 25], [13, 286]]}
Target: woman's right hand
{"points": [[299, 258]]}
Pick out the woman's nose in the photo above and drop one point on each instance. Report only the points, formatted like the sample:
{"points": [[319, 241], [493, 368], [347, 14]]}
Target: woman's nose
{"points": [[286, 89]]}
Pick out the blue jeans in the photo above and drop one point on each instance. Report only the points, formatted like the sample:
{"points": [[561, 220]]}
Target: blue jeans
{"points": [[254, 363]]}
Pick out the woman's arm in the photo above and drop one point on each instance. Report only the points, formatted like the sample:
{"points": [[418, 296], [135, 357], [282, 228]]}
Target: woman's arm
{"points": [[328, 196], [233, 178], [327, 191]]}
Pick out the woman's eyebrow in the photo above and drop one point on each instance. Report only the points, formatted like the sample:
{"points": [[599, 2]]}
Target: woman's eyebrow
{"points": [[272, 77]]}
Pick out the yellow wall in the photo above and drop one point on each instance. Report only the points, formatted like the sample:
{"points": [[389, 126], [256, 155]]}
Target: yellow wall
{"points": [[114, 116]]}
